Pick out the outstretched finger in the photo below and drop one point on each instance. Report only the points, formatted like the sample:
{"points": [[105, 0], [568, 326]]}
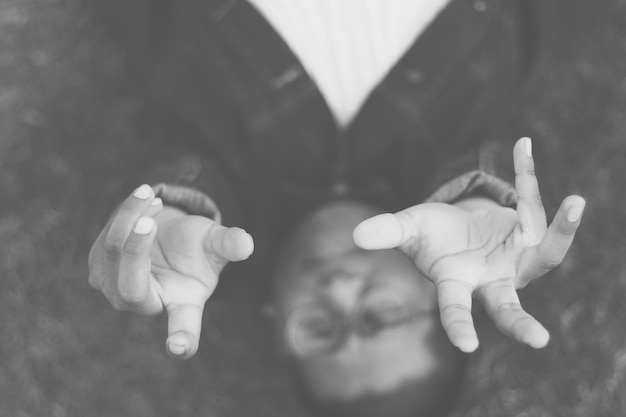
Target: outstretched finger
{"points": [[184, 326], [230, 244], [133, 283], [502, 305], [121, 225], [530, 211], [100, 262], [553, 247], [385, 231], [455, 308], [155, 207]]}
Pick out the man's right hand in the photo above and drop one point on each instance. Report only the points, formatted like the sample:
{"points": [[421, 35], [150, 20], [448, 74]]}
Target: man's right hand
{"points": [[150, 258]]}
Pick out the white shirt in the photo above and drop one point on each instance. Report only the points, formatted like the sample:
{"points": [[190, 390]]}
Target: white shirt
{"points": [[348, 46]]}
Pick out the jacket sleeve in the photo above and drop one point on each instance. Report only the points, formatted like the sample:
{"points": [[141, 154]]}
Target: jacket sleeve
{"points": [[486, 170], [181, 183], [183, 172], [188, 172], [482, 163], [198, 160]]}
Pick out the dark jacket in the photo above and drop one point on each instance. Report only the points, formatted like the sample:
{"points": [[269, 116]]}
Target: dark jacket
{"points": [[239, 120]]}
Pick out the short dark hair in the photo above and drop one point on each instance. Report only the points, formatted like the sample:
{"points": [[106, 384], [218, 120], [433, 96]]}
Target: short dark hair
{"points": [[431, 396]]}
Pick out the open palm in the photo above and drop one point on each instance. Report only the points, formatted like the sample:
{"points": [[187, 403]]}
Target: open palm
{"points": [[188, 254], [486, 253]]}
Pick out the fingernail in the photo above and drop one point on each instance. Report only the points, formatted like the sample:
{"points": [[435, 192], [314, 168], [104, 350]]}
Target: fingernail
{"points": [[528, 147], [144, 225], [156, 202], [574, 213], [176, 349], [143, 192]]}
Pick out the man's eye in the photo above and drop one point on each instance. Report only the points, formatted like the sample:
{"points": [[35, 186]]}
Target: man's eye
{"points": [[318, 328], [313, 331], [379, 318]]}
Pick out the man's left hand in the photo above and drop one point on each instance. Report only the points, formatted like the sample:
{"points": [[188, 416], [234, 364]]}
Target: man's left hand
{"points": [[478, 248]]}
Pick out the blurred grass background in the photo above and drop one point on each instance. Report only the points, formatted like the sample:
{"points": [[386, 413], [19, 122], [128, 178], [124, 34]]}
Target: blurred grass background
{"points": [[68, 154]]}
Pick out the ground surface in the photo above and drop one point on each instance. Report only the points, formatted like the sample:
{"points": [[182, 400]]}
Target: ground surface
{"points": [[66, 125]]}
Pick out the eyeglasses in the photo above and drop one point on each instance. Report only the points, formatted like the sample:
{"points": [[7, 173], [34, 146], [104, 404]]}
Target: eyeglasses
{"points": [[316, 329]]}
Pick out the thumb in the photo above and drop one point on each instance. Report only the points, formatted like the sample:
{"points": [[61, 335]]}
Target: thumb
{"points": [[184, 325], [229, 243], [385, 231]]}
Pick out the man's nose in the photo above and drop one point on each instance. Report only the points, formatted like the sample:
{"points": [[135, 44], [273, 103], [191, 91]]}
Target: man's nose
{"points": [[344, 291]]}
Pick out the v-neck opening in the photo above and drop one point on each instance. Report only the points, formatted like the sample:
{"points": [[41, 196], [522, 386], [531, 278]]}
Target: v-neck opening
{"points": [[285, 63], [417, 66]]}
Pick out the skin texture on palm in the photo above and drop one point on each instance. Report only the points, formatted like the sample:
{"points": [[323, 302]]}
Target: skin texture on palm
{"points": [[477, 248], [149, 259]]}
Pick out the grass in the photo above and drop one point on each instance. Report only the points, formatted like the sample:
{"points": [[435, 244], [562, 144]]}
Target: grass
{"points": [[68, 153]]}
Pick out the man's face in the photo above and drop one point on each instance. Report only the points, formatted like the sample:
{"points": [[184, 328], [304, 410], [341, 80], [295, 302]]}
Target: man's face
{"points": [[356, 322]]}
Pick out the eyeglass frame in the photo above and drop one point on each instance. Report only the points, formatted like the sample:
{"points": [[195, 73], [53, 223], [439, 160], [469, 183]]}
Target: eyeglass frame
{"points": [[347, 325]]}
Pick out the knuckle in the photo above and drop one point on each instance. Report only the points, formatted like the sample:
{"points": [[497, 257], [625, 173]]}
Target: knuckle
{"points": [[508, 307], [94, 281], [136, 248], [498, 284], [128, 208], [534, 198], [550, 262], [528, 170], [493, 290], [454, 308], [113, 245], [463, 323], [520, 322], [117, 303], [132, 300], [537, 199], [405, 219], [566, 231], [453, 285], [522, 283]]}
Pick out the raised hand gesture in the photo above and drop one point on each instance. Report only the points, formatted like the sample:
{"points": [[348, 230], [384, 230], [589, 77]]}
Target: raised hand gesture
{"points": [[481, 249], [149, 259]]}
